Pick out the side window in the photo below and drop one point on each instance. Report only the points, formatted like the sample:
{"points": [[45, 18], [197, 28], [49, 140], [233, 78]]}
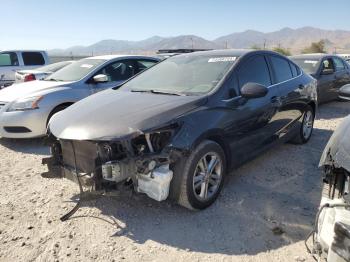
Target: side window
{"points": [[144, 64], [282, 69], [295, 71], [9, 59], [327, 64], [254, 70], [118, 71], [338, 63], [33, 58]]}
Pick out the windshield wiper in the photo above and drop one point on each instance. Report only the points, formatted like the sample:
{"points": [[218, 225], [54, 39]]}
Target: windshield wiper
{"points": [[159, 92]]}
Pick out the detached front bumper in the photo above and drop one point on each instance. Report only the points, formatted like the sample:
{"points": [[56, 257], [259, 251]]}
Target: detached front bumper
{"points": [[23, 124]]}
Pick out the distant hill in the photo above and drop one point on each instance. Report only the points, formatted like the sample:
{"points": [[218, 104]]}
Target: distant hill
{"points": [[294, 39]]}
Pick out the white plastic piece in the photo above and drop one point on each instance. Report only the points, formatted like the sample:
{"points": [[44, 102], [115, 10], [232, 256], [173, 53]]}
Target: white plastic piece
{"points": [[327, 220], [156, 184]]}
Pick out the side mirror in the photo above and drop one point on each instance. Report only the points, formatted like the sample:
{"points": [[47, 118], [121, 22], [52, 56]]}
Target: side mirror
{"points": [[101, 78], [254, 90], [327, 72]]}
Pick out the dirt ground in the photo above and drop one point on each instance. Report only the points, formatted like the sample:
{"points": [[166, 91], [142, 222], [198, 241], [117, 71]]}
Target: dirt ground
{"points": [[280, 188]]}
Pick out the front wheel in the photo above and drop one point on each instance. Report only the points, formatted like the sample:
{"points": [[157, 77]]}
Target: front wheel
{"points": [[203, 176], [306, 127]]}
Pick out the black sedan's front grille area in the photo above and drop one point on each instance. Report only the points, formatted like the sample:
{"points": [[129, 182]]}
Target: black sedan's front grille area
{"points": [[83, 152], [17, 129]]}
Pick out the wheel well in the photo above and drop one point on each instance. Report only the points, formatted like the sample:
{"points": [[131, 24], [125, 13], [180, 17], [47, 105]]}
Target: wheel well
{"points": [[313, 105], [63, 105], [224, 146]]}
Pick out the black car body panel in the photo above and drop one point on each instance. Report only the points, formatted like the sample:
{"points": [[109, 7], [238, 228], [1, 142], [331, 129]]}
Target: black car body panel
{"points": [[329, 83], [337, 150], [171, 126]]}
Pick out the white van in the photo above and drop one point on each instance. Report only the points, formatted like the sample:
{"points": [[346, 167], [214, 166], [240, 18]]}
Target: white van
{"points": [[13, 60]]}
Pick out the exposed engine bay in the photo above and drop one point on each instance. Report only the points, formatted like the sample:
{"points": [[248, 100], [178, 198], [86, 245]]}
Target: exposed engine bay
{"points": [[142, 161], [331, 235]]}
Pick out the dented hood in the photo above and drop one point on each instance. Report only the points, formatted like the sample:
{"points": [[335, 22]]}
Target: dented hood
{"points": [[114, 114], [337, 150]]}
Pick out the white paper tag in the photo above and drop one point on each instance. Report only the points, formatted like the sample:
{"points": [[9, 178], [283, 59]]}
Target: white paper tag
{"points": [[222, 59], [86, 66]]}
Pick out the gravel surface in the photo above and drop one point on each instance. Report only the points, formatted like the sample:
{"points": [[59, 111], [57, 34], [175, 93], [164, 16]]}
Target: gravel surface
{"points": [[264, 213]]}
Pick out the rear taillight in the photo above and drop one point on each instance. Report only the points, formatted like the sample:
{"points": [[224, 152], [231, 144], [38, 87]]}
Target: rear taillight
{"points": [[29, 77]]}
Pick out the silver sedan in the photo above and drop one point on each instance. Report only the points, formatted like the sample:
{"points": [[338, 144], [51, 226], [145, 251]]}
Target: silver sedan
{"points": [[26, 108]]}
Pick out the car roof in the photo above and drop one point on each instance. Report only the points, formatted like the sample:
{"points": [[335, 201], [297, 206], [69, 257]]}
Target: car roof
{"points": [[110, 57], [22, 50], [312, 56]]}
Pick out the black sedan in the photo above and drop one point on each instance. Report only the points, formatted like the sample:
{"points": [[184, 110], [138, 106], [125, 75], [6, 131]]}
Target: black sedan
{"points": [[331, 71], [176, 130]]}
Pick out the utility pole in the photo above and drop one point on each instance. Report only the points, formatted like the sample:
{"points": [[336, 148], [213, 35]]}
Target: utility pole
{"points": [[192, 42], [226, 44], [264, 44]]}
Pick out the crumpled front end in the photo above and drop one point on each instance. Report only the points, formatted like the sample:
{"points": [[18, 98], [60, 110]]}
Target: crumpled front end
{"points": [[142, 160], [337, 150]]}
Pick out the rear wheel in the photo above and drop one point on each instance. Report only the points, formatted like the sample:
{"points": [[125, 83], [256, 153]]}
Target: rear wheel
{"points": [[306, 127], [203, 176]]}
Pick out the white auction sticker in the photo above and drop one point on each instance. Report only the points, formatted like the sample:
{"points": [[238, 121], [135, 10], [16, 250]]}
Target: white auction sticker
{"points": [[86, 66], [310, 62], [222, 59]]}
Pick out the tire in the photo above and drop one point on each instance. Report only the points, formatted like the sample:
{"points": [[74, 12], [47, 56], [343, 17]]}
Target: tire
{"points": [[198, 191], [306, 127], [54, 111]]}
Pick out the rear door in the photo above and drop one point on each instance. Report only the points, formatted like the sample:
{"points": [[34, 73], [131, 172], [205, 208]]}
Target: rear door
{"points": [[286, 77], [342, 74], [253, 127]]}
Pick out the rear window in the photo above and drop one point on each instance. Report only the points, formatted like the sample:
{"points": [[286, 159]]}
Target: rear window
{"points": [[33, 58], [295, 70], [282, 69]]}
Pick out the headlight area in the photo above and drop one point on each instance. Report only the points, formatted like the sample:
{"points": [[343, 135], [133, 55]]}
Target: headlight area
{"points": [[23, 104], [142, 162]]}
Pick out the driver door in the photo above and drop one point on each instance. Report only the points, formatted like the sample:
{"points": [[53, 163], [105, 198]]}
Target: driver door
{"points": [[117, 73]]}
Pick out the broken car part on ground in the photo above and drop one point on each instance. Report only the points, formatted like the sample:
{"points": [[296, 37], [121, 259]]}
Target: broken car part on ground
{"points": [[175, 130]]}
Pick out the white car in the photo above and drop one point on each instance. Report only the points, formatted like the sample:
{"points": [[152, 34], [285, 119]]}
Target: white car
{"points": [[25, 108], [39, 73], [14, 60]]}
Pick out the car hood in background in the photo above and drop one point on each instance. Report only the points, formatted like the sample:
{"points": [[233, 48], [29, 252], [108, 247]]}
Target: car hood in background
{"points": [[337, 150], [27, 89], [115, 114]]}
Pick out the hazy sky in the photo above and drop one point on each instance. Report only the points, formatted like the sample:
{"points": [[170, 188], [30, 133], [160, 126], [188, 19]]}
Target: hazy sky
{"points": [[51, 24]]}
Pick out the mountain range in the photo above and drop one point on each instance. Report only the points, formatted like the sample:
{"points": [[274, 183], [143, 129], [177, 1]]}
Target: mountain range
{"points": [[293, 39]]}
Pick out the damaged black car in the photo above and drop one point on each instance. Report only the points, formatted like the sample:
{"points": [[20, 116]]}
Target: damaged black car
{"points": [[176, 130]]}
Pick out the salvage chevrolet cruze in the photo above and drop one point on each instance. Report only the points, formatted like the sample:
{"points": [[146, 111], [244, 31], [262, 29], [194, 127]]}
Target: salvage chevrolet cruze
{"points": [[175, 131]]}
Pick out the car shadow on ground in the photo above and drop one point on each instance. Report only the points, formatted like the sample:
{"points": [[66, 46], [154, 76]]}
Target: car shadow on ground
{"points": [[28, 146], [265, 204]]}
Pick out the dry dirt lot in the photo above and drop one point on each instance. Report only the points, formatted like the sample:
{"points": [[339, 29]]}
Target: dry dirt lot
{"points": [[280, 188]]}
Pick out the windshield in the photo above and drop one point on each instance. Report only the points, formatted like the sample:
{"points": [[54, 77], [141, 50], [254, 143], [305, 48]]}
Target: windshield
{"points": [[185, 74], [76, 70], [54, 67], [309, 66]]}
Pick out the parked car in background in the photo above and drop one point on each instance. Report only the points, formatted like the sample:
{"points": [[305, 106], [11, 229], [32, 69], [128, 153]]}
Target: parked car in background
{"points": [[331, 235], [330, 71], [14, 60], [39, 73], [177, 129], [26, 108]]}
